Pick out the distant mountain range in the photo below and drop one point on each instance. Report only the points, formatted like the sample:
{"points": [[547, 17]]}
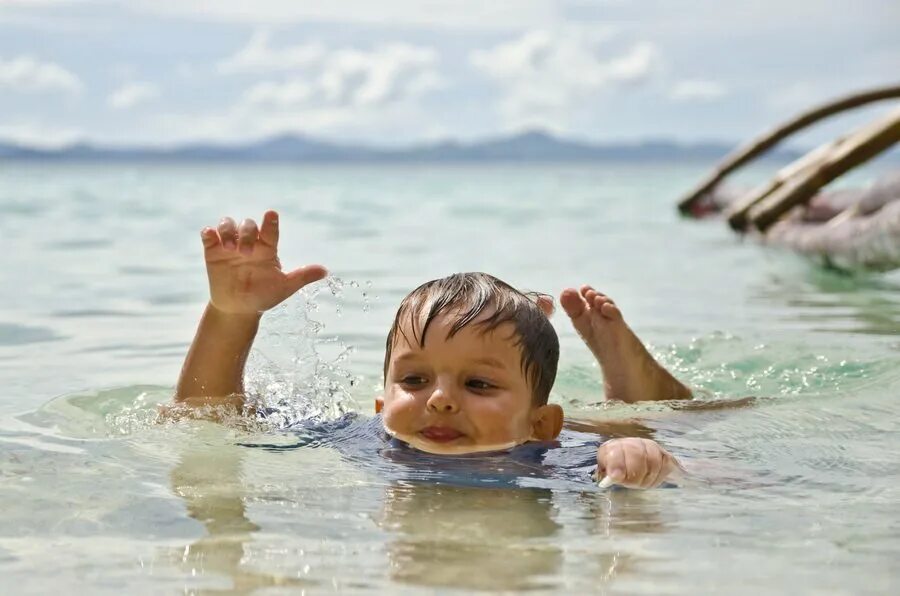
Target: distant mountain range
{"points": [[526, 146]]}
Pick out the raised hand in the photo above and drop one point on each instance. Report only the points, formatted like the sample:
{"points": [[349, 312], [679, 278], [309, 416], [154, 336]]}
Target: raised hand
{"points": [[634, 463], [245, 275]]}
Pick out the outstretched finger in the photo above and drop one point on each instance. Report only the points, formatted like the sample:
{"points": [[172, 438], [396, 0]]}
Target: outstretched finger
{"points": [[247, 235], [268, 233], [303, 276]]}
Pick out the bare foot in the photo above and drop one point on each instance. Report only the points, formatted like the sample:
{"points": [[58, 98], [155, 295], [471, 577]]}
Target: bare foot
{"points": [[630, 373]]}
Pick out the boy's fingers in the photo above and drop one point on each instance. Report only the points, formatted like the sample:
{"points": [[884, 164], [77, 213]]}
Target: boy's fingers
{"points": [[268, 233], [298, 278], [210, 238], [656, 465], [635, 464], [247, 235], [611, 467], [228, 233], [616, 464]]}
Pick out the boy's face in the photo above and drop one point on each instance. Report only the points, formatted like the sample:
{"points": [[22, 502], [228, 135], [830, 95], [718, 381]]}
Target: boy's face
{"points": [[462, 394]]}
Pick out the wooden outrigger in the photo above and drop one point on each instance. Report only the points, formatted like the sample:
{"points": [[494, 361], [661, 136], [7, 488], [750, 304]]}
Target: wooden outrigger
{"points": [[845, 229]]}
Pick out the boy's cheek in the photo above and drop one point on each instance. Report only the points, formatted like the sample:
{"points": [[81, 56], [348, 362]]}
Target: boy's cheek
{"points": [[398, 413]]}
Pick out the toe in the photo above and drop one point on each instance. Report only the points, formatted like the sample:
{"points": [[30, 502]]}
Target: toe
{"points": [[609, 310], [572, 303], [577, 309], [545, 303]]}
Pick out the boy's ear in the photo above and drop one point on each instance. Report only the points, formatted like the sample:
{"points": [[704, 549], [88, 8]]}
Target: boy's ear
{"points": [[547, 422], [379, 404]]}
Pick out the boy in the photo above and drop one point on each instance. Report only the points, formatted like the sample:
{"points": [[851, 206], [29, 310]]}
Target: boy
{"points": [[469, 361]]}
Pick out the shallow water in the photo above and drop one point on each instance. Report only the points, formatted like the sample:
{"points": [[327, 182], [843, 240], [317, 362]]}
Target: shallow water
{"points": [[794, 490]]}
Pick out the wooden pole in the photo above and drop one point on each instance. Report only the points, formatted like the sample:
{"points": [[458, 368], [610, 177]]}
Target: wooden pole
{"points": [[761, 144], [736, 214], [855, 150]]}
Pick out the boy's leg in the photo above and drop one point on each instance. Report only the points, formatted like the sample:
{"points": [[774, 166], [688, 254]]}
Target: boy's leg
{"points": [[630, 373]]}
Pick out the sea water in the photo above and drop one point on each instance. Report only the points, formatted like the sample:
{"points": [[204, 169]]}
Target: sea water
{"points": [[795, 489]]}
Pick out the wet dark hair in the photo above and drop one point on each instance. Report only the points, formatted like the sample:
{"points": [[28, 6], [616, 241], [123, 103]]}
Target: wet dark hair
{"points": [[465, 296]]}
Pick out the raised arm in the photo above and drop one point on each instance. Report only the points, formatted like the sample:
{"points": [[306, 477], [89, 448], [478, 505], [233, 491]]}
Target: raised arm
{"points": [[245, 280]]}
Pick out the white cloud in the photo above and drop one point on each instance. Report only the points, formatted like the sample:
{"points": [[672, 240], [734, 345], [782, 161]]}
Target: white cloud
{"points": [[131, 94], [349, 77], [697, 90], [257, 56], [544, 75], [28, 74], [635, 65], [340, 92], [316, 76]]}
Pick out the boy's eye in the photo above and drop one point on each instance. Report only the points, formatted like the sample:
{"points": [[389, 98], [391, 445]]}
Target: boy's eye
{"points": [[413, 380], [479, 385]]}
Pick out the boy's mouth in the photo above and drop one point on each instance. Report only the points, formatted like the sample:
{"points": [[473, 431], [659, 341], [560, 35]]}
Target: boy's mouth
{"points": [[440, 434]]}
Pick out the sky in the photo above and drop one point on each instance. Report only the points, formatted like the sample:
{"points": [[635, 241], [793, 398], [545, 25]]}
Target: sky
{"points": [[397, 72]]}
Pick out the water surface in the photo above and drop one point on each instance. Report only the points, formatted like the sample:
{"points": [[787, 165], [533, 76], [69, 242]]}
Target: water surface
{"points": [[103, 283]]}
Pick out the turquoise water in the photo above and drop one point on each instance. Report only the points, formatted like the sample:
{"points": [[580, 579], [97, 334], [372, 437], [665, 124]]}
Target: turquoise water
{"points": [[103, 283]]}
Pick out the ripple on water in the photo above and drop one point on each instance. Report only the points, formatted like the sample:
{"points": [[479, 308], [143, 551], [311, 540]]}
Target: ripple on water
{"points": [[175, 298], [726, 365], [80, 244], [12, 334], [101, 413], [93, 312]]}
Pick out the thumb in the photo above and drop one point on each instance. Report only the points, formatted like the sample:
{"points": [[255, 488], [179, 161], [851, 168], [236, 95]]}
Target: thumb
{"points": [[303, 276]]}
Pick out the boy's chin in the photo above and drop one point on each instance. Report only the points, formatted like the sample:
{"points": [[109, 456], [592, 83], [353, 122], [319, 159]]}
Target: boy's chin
{"points": [[421, 443]]}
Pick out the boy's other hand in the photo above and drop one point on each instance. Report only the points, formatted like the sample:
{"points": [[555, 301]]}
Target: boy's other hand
{"points": [[242, 264], [634, 463]]}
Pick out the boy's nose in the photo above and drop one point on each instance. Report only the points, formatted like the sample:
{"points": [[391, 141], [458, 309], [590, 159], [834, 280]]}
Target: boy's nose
{"points": [[441, 401]]}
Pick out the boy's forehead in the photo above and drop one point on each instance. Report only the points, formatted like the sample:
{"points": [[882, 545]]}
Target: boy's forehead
{"points": [[439, 331]]}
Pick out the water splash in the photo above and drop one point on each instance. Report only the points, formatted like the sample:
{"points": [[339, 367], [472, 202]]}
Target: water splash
{"points": [[297, 372]]}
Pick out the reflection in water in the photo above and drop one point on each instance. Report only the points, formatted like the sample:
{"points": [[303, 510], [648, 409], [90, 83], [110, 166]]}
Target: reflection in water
{"points": [[209, 480], [610, 521], [471, 538], [514, 539], [435, 535]]}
